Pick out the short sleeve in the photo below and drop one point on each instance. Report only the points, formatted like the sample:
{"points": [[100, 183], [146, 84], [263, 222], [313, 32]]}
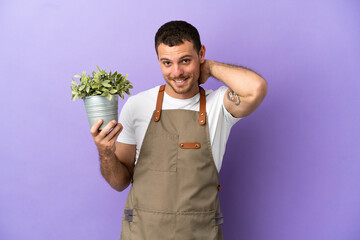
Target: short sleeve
{"points": [[128, 133]]}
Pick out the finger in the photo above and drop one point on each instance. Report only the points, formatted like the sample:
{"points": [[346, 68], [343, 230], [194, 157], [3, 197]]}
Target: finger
{"points": [[117, 135], [113, 140], [107, 128], [115, 131], [94, 130]]}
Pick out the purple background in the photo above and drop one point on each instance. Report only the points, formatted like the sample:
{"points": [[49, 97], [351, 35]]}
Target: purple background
{"points": [[291, 170]]}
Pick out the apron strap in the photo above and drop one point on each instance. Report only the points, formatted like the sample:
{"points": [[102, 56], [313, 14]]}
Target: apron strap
{"points": [[202, 112], [159, 103]]}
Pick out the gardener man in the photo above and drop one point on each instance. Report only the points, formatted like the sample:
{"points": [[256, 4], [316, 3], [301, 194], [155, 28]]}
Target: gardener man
{"points": [[173, 140]]}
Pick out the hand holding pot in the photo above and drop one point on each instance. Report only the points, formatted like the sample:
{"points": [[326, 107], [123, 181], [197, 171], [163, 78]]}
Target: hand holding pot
{"points": [[105, 140]]}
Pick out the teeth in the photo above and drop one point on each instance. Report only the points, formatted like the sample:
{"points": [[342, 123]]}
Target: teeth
{"points": [[178, 81]]}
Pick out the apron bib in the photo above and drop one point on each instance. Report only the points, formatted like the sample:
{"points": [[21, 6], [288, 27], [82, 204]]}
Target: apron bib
{"points": [[174, 192]]}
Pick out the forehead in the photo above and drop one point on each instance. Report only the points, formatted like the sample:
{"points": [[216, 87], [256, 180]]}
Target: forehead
{"points": [[186, 48]]}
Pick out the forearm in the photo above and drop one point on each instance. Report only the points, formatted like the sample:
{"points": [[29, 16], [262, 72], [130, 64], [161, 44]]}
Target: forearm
{"points": [[115, 172], [244, 82]]}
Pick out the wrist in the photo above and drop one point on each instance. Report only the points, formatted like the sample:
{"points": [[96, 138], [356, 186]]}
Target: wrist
{"points": [[210, 65], [106, 154]]}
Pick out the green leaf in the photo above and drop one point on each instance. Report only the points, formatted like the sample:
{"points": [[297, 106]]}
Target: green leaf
{"points": [[113, 91], [74, 83], [106, 85], [96, 85], [109, 97], [97, 75]]}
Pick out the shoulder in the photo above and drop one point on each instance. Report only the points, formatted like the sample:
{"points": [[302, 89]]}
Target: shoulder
{"points": [[145, 94], [216, 94], [143, 97], [140, 102], [214, 99]]}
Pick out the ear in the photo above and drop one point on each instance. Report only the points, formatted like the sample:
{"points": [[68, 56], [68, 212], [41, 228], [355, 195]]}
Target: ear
{"points": [[202, 54]]}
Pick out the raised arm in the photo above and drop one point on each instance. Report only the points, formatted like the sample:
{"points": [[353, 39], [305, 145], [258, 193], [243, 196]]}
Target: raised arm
{"points": [[246, 90], [116, 159]]}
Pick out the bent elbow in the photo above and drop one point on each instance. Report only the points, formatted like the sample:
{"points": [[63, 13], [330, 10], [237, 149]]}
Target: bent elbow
{"points": [[261, 89], [120, 188], [119, 185]]}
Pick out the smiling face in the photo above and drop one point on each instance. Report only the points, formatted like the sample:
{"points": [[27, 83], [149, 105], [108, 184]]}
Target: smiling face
{"points": [[180, 66]]}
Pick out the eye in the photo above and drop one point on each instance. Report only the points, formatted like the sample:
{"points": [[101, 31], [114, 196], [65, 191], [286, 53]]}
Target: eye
{"points": [[186, 60], [166, 63]]}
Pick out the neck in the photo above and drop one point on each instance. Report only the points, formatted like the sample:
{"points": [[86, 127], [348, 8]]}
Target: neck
{"points": [[192, 92]]}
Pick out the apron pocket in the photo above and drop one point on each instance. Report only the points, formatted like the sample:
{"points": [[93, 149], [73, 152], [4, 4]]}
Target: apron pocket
{"points": [[164, 152], [199, 226], [149, 225]]}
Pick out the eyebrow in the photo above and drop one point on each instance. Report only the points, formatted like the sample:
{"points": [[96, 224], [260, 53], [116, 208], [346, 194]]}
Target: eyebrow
{"points": [[185, 56]]}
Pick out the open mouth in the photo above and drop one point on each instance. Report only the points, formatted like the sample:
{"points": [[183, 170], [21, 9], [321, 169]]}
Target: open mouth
{"points": [[179, 82]]}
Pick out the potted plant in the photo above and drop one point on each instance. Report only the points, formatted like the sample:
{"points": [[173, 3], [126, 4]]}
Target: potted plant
{"points": [[100, 94]]}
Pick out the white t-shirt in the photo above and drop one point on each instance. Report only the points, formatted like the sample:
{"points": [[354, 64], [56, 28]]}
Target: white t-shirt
{"points": [[137, 112]]}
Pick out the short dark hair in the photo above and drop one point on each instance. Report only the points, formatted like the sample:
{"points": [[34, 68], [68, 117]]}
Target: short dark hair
{"points": [[174, 33]]}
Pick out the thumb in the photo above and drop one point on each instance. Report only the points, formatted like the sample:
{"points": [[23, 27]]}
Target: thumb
{"points": [[95, 128]]}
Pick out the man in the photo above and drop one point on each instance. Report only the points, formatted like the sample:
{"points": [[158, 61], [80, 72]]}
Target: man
{"points": [[176, 134]]}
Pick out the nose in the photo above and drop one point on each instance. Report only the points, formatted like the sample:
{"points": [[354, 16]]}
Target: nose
{"points": [[177, 71]]}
